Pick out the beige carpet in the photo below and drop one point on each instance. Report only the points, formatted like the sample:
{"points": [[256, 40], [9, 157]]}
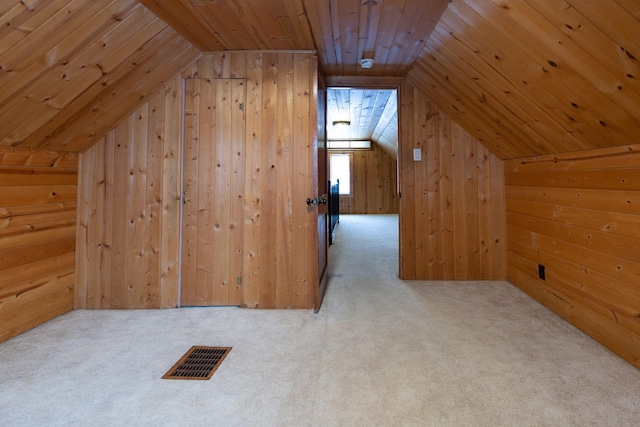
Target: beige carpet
{"points": [[381, 352]]}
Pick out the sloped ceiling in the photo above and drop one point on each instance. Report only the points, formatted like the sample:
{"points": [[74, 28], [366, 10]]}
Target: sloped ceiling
{"points": [[70, 70], [372, 114], [392, 32], [526, 77], [532, 77]]}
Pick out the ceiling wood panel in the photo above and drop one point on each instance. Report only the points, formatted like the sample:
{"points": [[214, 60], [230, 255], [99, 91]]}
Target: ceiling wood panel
{"points": [[238, 25], [58, 86], [70, 70], [587, 69], [632, 6], [386, 131], [182, 17], [363, 108], [417, 21], [392, 32], [535, 77], [526, 66], [526, 77]]}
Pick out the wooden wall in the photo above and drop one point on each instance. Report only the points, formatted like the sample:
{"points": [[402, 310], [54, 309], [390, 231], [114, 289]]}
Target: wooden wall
{"points": [[374, 180], [128, 193], [280, 232], [128, 210], [577, 214], [452, 221], [37, 236]]}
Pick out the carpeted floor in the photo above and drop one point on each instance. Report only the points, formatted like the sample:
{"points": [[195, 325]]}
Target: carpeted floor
{"points": [[380, 352]]}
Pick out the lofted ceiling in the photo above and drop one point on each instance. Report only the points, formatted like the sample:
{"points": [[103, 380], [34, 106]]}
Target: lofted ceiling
{"points": [[392, 32], [526, 77], [371, 115], [70, 70], [530, 77]]}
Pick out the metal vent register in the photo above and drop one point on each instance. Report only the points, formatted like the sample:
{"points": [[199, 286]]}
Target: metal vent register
{"points": [[199, 363]]}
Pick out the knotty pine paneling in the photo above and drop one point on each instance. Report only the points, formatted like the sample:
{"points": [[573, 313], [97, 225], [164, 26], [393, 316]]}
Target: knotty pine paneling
{"points": [[213, 208], [536, 77], [129, 210], [71, 70], [393, 33], [387, 136], [37, 236], [452, 223], [280, 232], [238, 25], [374, 183], [343, 32], [577, 214], [128, 230]]}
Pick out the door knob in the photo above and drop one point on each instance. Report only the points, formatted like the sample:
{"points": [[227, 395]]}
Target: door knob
{"points": [[322, 200]]}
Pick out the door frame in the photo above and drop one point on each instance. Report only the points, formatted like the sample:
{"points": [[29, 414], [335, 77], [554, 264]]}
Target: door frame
{"points": [[394, 83], [322, 192]]}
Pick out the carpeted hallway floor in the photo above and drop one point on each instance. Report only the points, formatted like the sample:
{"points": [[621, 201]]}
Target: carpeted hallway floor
{"points": [[380, 352]]}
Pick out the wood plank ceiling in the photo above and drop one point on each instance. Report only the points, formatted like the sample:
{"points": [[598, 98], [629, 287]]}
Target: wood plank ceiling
{"points": [[70, 70], [525, 77], [531, 77], [392, 32], [369, 112]]}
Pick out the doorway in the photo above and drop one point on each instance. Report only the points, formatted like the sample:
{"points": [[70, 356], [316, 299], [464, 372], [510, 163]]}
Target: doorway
{"points": [[362, 141]]}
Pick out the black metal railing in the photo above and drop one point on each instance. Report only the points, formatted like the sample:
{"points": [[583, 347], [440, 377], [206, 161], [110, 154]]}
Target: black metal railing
{"points": [[334, 208]]}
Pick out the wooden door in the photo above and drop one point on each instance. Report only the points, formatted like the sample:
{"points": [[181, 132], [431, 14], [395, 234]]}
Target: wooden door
{"points": [[323, 191], [213, 184]]}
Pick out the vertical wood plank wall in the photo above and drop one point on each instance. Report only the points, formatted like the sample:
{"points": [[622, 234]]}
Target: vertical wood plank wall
{"points": [[577, 214], [128, 227], [452, 221], [128, 210], [37, 236], [281, 126], [374, 179], [213, 188]]}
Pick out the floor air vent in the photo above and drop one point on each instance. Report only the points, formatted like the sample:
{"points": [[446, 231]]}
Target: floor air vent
{"points": [[199, 363]]}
